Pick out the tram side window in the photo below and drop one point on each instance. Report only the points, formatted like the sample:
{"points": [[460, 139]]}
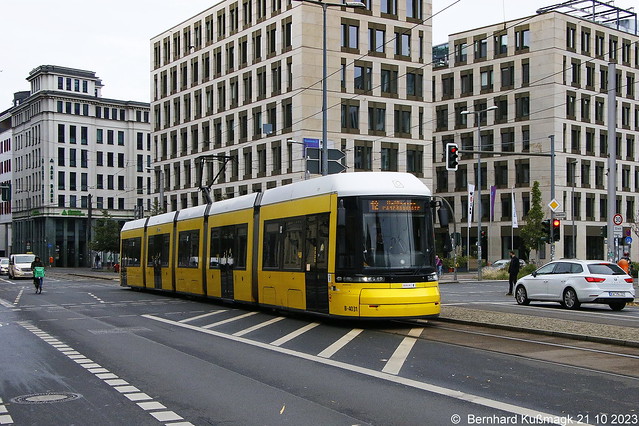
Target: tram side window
{"points": [[283, 244], [271, 249], [158, 250], [293, 244], [131, 251], [229, 246], [188, 249]]}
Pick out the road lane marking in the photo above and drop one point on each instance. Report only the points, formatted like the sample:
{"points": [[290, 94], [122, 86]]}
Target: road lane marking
{"points": [[202, 316], [294, 334], [17, 299], [258, 326], [396, 361], [340, 343], [226, 321], [439, 390], [123, 387], [5, 417], [6, 304]]}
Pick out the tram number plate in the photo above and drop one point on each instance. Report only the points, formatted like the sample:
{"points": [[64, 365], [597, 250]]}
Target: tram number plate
{"points": [[408, 285], [616, 293]]}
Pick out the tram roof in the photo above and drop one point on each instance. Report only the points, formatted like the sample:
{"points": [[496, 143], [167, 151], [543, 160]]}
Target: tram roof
{"points": [[350, 184]]}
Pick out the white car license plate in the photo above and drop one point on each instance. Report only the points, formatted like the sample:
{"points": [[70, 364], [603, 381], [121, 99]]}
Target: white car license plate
{"points": [[408, 285], [616, 293]]}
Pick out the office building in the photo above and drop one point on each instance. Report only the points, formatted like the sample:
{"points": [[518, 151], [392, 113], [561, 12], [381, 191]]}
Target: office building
{"points": [[547, 76], [75, 154], [243, 81]]}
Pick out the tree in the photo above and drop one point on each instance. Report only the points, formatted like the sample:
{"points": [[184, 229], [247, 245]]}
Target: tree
{"points": [[106, 236], [155, 208], [532, 232]]}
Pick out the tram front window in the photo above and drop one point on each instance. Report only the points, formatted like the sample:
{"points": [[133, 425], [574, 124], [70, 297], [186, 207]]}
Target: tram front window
{"points": [[389, 233]]}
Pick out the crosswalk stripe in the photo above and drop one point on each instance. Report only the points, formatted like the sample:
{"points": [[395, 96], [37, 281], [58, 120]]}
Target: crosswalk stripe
{"points": [[340, 343], [258, 326], [239, 317], [294, 334]]}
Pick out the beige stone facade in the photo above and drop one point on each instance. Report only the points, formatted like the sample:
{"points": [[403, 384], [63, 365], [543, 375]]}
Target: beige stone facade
{"points": [[547, 74], [243, 78]]}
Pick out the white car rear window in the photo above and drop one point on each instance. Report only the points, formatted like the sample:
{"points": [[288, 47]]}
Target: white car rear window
{"points": [[605, 269]]}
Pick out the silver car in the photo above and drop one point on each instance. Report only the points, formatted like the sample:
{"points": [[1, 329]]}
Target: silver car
{"points": [[4, 266], [573, 282]]}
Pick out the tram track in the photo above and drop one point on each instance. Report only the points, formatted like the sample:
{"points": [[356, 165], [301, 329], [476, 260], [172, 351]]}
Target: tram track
{"points": [[587, 355]]}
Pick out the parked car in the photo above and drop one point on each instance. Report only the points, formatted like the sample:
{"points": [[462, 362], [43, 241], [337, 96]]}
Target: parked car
{"points": [[4, 266], [20, 265], [503, 263], [573, 282]]}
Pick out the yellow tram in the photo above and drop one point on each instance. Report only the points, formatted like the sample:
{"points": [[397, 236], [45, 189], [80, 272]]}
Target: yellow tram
{"points": [[356, 245]]}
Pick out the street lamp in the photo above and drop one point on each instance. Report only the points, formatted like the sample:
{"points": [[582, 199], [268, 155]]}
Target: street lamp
{"points": [[326, 5], [478, 183]]}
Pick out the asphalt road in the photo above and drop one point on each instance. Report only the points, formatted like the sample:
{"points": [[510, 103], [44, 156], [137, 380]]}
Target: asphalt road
{"points": [[86, 351]]}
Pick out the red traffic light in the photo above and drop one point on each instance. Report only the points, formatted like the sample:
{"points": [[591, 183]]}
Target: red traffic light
{"points": [[452, 156], [556, 223]]}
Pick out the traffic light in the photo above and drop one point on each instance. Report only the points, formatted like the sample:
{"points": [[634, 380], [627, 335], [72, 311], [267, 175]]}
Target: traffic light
{"points": [[6, 192], [556, 229], [452, 156], [604, 231], [483, 235], [545, 229]]}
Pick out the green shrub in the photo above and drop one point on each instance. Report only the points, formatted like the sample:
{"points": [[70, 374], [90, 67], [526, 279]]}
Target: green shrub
{"points": [[495, 274], [528, 269]]}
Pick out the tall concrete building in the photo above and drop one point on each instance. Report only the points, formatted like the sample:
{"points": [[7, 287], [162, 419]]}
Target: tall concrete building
{"points": [[243, 80], [74, 154], [547, 75]]}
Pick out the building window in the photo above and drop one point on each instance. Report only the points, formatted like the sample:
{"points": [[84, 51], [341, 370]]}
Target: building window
{"points": [[388, 81], [350, 115], [350, 36], [414, 9], [363, 77], [388, 7], [402, 43], [376, 40], [481, 48], [377, 118], [501, 44], [522, 39]]}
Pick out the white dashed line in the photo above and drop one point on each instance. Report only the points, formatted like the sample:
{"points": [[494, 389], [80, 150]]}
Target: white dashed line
{"points": [[154, 408], [5, 418]]}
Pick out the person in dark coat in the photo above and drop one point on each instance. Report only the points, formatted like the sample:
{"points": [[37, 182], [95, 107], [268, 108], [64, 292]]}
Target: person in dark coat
{"points": [[513, 271], [37, 281]]}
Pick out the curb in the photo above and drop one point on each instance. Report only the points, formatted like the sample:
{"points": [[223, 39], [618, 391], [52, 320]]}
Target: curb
{"points": [[96, 277]]}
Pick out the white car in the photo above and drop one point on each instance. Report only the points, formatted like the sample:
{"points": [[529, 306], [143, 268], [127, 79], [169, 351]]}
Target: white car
{"points": [[505, 263], [573, 282]]}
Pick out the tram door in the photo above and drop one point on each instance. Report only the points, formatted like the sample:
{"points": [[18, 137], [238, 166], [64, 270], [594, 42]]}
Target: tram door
{"points": [[316, 264], [158, 256], [227, 261]]}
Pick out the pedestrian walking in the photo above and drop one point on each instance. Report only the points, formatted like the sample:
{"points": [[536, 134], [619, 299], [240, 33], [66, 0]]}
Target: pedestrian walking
{"points": [[38, 274], [624, 262], [439, 265], [513, 271]]}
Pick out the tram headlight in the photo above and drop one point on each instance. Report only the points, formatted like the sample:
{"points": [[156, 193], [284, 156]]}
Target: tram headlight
{"points": [[432, 277]]}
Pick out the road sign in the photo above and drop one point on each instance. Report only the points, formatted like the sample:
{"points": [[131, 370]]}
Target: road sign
{"points": [[560, 215], [335, 157], [554, 205], [617, 231], [628, 240], [617, 219]]}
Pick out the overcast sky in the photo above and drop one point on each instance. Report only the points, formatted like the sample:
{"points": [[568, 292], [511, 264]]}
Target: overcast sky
{"points": [[112, 38]]}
